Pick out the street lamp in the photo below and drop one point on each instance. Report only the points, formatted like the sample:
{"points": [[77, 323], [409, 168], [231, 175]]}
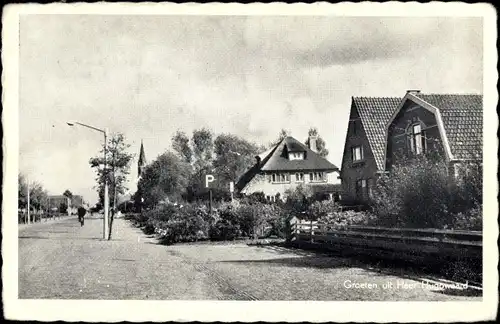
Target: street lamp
{"points": [[106, 198]]}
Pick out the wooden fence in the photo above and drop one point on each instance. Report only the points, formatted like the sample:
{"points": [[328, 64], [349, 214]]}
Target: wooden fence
{"points": [[409, 243]]}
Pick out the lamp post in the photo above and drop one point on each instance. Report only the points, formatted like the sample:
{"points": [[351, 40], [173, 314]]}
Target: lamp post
{"points": [[106, 198], [28, 186]]}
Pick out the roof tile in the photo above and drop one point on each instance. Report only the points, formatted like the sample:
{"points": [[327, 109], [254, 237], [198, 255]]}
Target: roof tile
{"points": [[375, 114], [278, 161], [462, 116]]}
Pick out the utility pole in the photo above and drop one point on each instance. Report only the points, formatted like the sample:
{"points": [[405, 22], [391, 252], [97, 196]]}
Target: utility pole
{"points": [[28, 186], [106, 198]]}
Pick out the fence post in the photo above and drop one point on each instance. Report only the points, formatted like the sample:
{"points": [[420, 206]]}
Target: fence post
{"points": [[311, 229]]}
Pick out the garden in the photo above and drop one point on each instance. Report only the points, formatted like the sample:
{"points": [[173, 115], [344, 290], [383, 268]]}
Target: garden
{"points": [[416, 195]]}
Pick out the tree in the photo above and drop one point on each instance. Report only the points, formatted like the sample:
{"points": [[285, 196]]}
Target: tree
{"points": [[22, 189], [180, 144], [203, 147], [118, 167], [164, 178], [283, 134], [233, 156], [68, 194], [37, 193], [320, 142]]}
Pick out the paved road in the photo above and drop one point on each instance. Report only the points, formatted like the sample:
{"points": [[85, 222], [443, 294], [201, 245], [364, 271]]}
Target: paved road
{"points": [[66, 261]]}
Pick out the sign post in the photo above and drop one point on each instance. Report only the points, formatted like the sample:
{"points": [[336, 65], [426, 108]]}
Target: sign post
{"points": [[231, 189], [209, 178]]}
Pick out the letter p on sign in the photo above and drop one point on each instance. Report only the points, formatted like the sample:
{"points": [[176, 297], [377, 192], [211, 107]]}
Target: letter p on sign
{"points": [[208, 178]]}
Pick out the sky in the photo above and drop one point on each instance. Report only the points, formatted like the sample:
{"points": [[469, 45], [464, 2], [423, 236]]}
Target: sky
{"points": [[148, 76]]}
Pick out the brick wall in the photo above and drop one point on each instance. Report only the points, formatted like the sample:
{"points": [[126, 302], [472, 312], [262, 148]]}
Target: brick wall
{"points": [[351, 171]]}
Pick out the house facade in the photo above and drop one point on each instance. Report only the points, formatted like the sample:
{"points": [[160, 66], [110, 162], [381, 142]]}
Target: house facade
{"points": [[56, 201], [364, 150], [447, 125], [287, 165], [386, 131]]}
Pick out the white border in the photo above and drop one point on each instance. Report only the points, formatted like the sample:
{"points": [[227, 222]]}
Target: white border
{"points": [[246, 311]]}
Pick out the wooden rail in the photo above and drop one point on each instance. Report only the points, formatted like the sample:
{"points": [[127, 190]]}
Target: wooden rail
{"points": [[446, 243]]}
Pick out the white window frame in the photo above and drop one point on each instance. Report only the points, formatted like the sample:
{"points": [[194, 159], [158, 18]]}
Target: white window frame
{"points": [[317, 177], [296, 156], [299, 177], [416, 139], [280, 178], [354, 151]]}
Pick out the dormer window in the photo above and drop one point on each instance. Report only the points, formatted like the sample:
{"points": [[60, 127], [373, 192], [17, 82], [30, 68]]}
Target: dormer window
{"points": [[296, 156], [416, 139]]}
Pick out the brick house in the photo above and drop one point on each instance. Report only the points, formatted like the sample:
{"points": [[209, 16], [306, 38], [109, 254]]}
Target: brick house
{"points": [[364, 150], [383, 130], [448, 124], [287, 165]]}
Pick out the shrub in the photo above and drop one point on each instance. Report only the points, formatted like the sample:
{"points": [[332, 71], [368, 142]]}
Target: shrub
{"points": [[471, 220], [415, 194], [298, 199], [321, 209], [343, 219], [226, 223], [189, 223]]}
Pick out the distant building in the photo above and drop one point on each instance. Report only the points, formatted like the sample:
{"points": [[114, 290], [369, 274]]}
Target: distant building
{"points": [[56, 201], [141, 163], [287, 165]]}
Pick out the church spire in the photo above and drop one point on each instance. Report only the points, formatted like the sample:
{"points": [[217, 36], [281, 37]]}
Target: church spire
{"points": [[142, 160]]}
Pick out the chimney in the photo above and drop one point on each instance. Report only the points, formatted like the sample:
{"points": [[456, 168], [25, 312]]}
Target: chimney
{"points": [[257, 161], [312, 143], [413, 91]]}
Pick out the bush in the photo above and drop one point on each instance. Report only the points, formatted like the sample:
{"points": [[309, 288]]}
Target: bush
{"points": [[343, 219], [420, 194], [226, 225], [298, 199], [415, 194], [189, 223], [471, 220], [321, 209]]}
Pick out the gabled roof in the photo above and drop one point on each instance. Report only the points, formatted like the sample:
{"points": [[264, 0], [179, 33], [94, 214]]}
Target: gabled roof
{"points": [[462, 116], [277, 159], [374, 114]]}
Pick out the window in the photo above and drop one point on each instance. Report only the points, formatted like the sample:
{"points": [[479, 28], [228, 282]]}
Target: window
{"points": [[416, 139], [317, 177], [357, 153], [360, 188], [296, 155], [280, 177], [370, 188], [299, 177]]}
